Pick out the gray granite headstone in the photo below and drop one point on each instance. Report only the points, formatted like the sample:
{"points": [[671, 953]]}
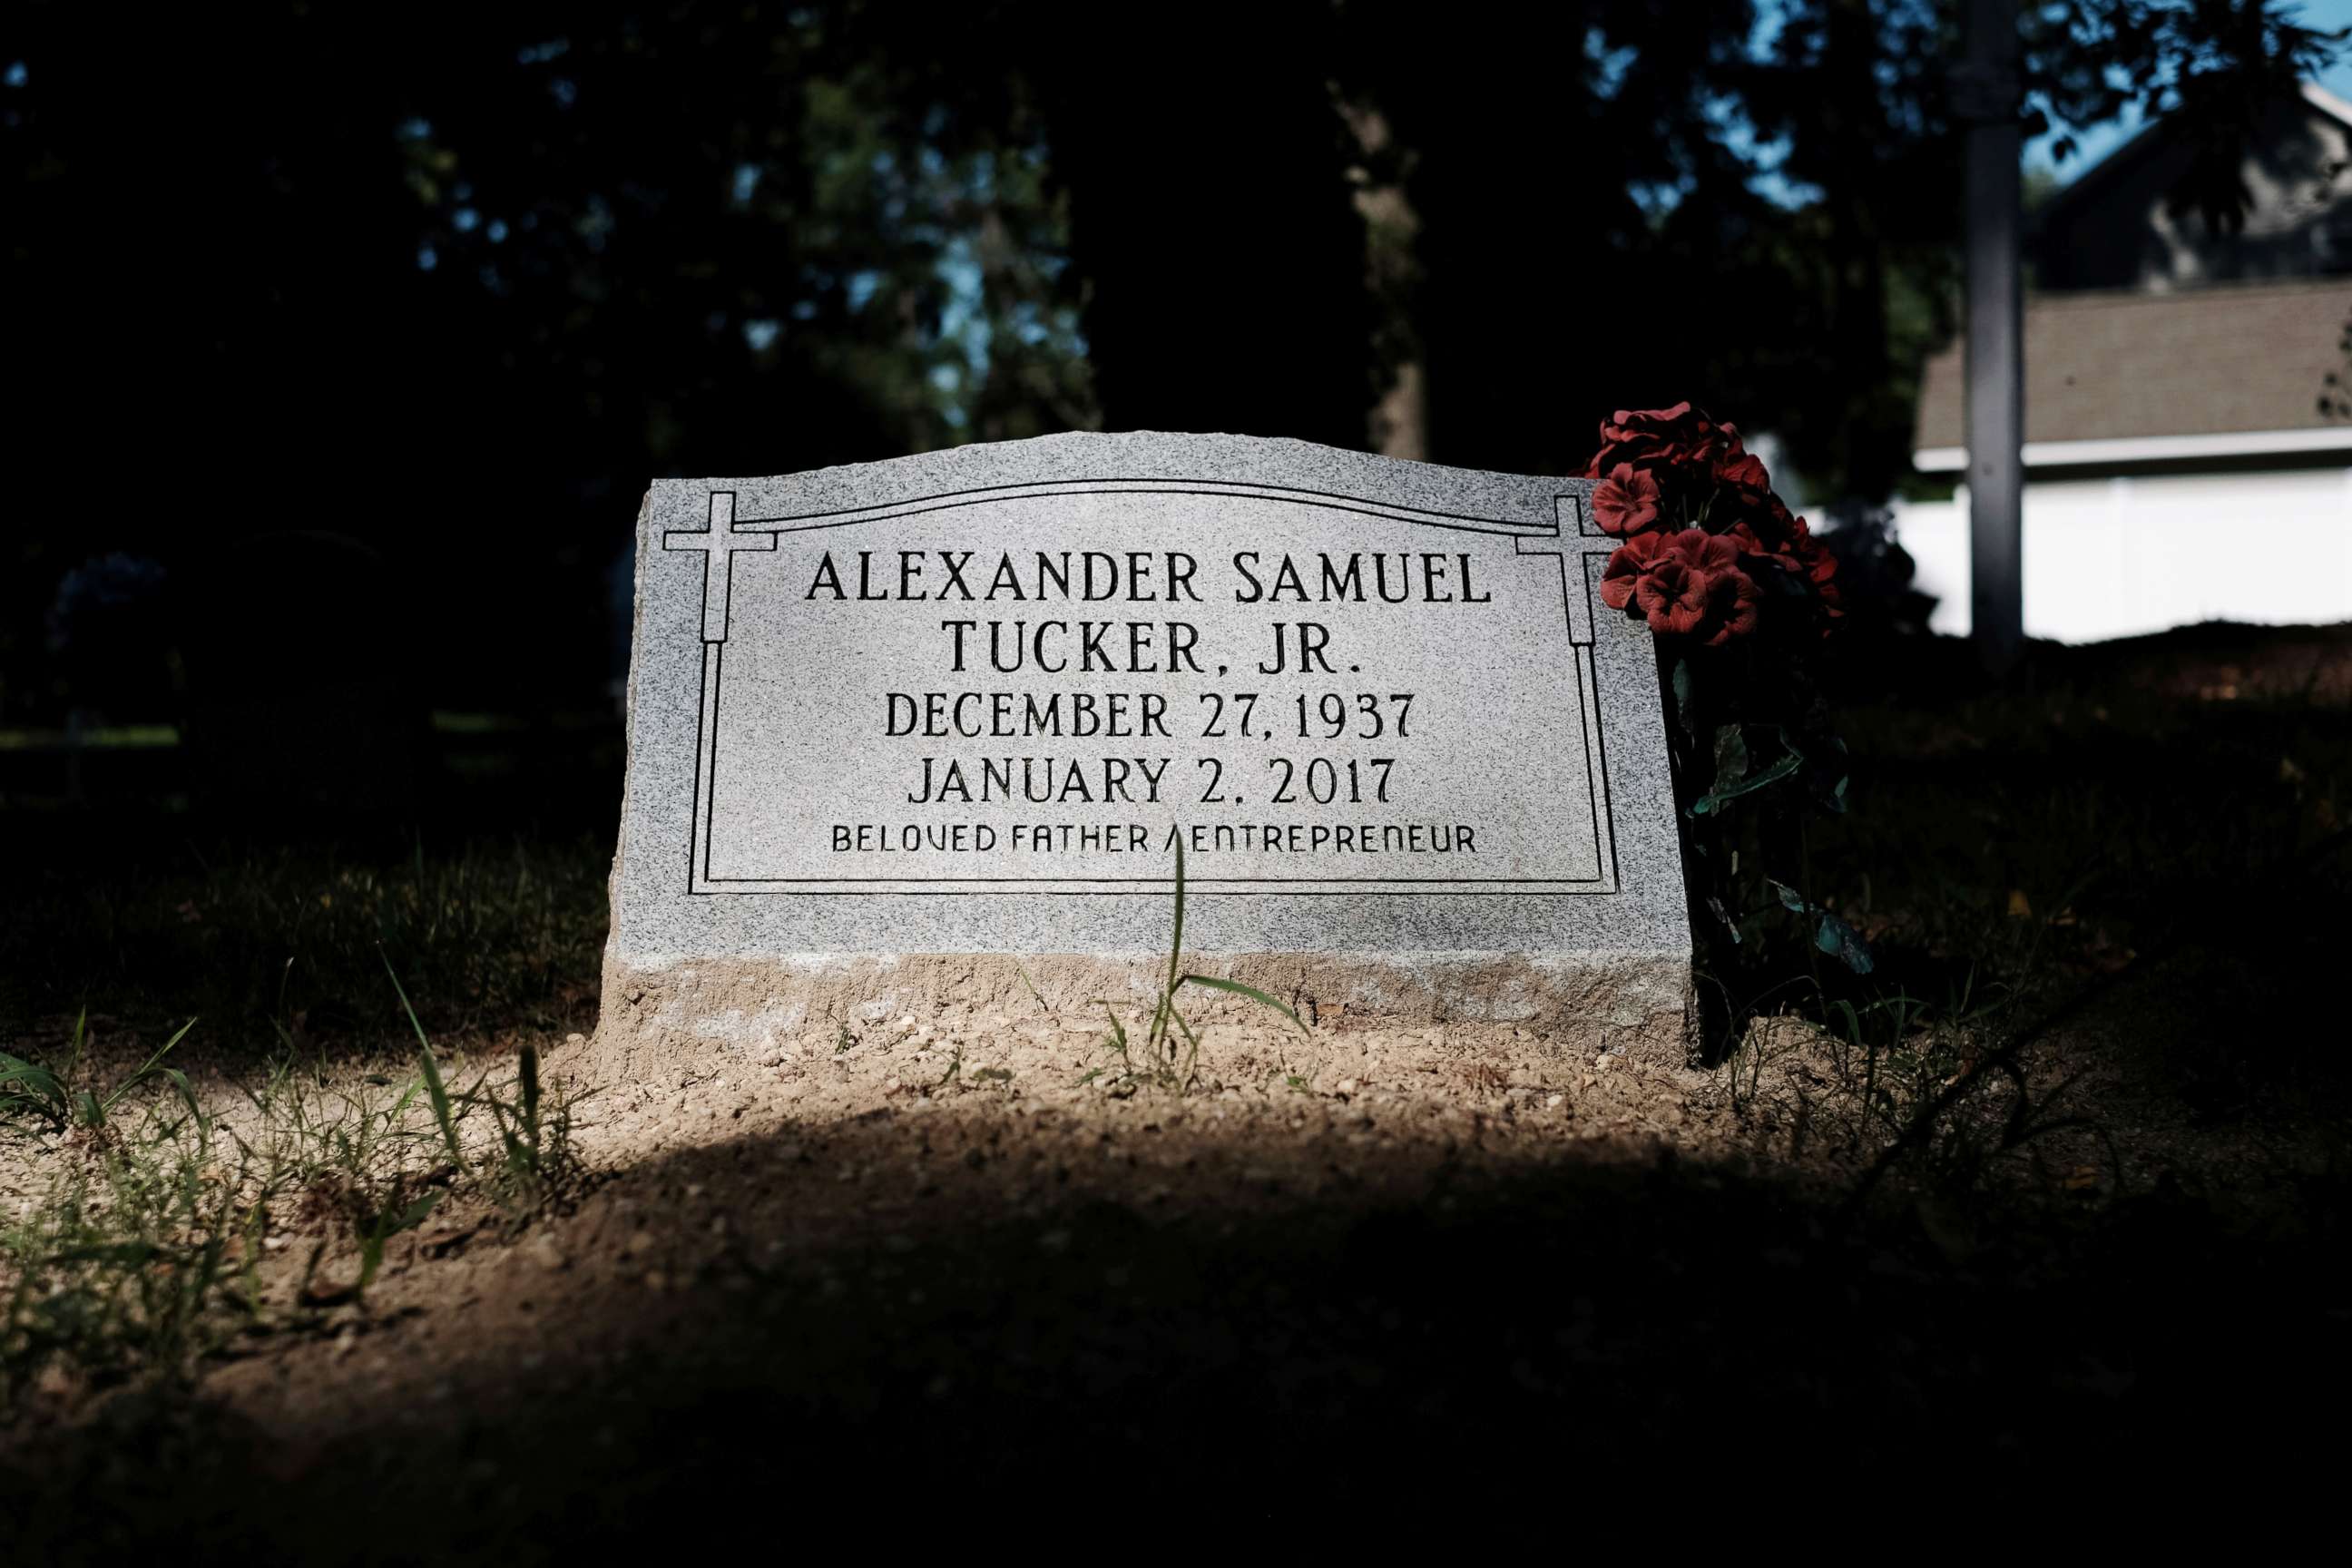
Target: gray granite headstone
{"points": [[923, 734]]}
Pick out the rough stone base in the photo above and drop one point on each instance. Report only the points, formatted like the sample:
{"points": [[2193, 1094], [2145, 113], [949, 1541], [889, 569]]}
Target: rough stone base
{"points": [[1636, 1005]]}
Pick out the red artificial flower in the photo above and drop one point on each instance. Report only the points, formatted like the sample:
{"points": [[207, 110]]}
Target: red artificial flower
{"points": [[1661, 468], [1626, 567], [1782, 538], [1677, 437], [1684, 584], [1741, 470], [1626, 502], [1820, 568]]}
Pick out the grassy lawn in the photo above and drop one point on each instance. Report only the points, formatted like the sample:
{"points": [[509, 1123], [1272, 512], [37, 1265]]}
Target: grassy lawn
{"points": [[280, 948]]}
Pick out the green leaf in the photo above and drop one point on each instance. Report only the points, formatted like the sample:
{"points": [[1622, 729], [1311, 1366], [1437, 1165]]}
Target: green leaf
{"points": [[1715, 906], [1717, 799], [1686, 699], [1841, 941], [35, 1087], [1831, 935], [18, 1069], [1730, 756]]}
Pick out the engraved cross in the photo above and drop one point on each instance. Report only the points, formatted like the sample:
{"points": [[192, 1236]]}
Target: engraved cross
{"points": [[717, 544]]}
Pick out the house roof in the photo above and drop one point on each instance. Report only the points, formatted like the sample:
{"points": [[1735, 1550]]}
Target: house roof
{"points": [[2220, 370], [2148, 141]]}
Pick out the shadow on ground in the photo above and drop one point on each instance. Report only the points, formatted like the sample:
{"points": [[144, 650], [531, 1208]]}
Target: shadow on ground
{"points": [[942, 1319], [728, 1345]]}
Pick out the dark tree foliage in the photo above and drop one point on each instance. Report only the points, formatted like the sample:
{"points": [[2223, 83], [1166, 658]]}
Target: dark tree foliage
{"points": [[1207, 173], [1625, 203], [1583, 229], [452, 281], [2207, 71]]}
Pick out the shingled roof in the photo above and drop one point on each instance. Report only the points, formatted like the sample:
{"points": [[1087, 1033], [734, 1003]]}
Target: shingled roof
{"points": [[2219, 371]]}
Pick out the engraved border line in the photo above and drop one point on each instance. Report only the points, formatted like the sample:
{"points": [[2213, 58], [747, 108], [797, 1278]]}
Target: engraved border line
{"points": [[710, 886]]}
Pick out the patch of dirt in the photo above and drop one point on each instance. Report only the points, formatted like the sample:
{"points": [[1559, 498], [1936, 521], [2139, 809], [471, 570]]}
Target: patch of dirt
{"points": [[822, 1171], [726, 1169], [930, 1272], [1435, 1268]]}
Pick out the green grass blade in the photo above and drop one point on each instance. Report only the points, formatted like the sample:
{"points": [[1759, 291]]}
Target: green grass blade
{"points": [[371, 1259], [415, 1214], [1175, 954], [146, 1068], [178, 1082], [1252, 991], [17, 1069], [517, 1155], [1191, 1052], [530, 1071], [401, 992], [435, 1088], [1176, 943], [127, 1254], [36, 1087], [438, 1093], [1040, 995]]}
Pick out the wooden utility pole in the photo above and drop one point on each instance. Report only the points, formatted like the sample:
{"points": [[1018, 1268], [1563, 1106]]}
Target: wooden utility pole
{"points": [[1986, 95]]}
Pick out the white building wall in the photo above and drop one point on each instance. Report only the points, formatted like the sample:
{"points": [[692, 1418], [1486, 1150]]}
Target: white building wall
{"points": [[2122, 557]]}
